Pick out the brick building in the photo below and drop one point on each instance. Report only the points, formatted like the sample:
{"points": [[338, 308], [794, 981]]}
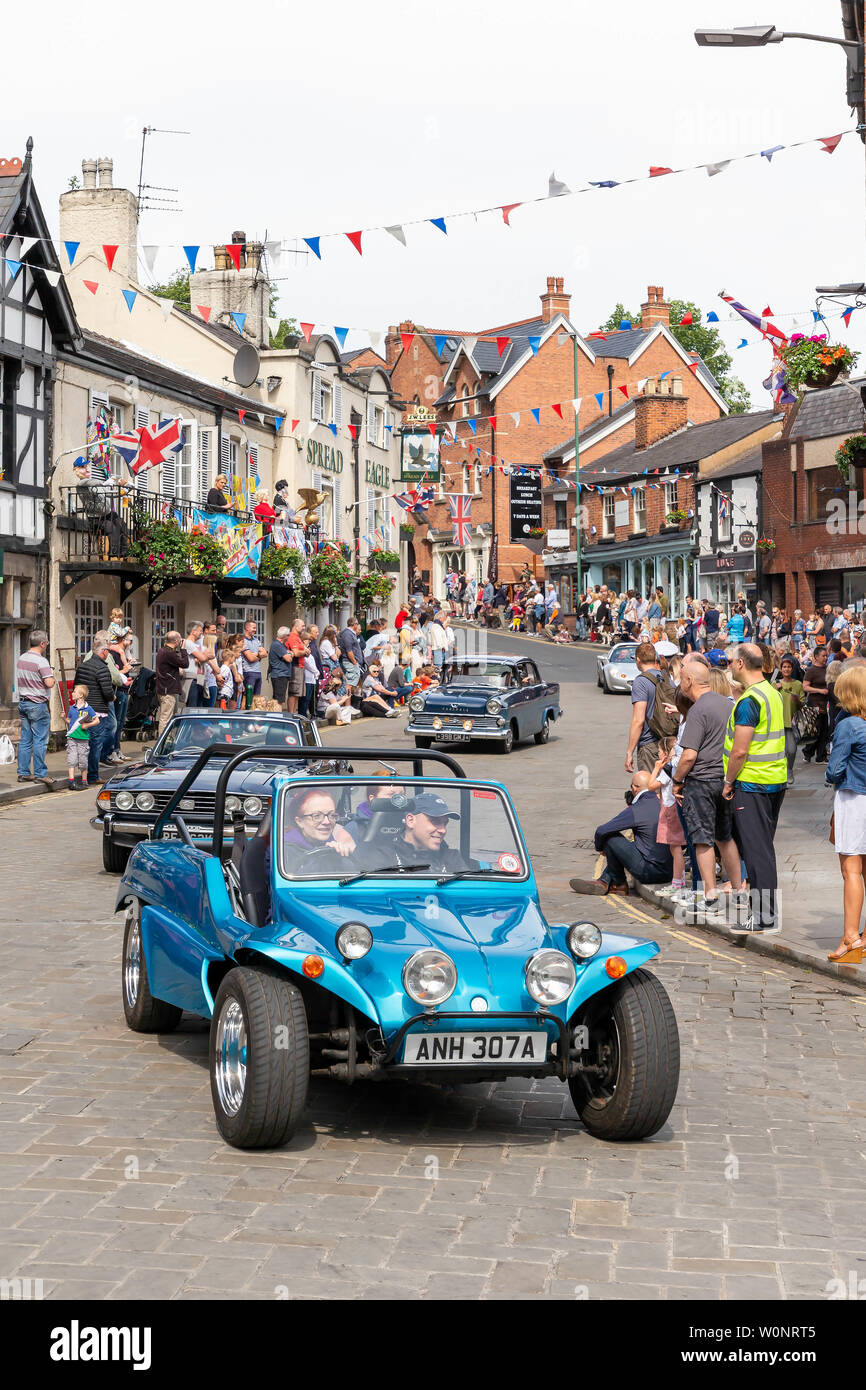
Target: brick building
{"points": [[487, 387], [815, 518], [641, 521]]}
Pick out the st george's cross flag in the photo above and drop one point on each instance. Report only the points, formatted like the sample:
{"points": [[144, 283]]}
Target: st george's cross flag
{"points": [[154, 445], [460, 504]]}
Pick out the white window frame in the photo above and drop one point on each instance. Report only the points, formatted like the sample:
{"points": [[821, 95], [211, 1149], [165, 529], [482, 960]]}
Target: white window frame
{"points": [[185, 464], [639, 506], [724, 525], [206, 447], [163, 619], [464, 403], [237, 615], [608, 513], [670, 498], [89, 618]]}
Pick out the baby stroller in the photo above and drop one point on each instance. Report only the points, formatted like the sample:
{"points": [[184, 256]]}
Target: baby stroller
{"points": [[141, 713]]}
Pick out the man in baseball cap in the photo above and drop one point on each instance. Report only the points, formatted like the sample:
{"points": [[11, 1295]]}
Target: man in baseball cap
{"points": [[425, 826]]}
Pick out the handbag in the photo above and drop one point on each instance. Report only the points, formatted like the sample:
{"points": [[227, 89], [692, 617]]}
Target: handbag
{"points": [[807, 723]]}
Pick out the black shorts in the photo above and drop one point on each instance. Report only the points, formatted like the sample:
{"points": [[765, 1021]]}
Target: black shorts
{"points": [[707, 815]]}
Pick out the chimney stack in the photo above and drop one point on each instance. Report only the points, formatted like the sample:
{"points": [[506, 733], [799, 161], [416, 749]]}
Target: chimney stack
{"points": [[655, 308], [244, 291], [662, 410], [99, 215], [555, 301]]}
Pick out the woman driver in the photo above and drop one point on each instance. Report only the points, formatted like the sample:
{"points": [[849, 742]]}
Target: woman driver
{"points": [[312, 819]]}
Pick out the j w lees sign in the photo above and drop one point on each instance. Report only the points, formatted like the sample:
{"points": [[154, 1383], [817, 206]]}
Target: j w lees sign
{"points": [[330, 460]]}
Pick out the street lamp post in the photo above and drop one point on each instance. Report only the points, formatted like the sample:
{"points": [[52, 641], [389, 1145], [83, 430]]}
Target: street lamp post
{"points": [[577, 471]]}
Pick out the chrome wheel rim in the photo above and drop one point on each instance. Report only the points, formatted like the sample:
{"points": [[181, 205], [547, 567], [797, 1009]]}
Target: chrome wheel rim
{"points": [[230, 1066], [132, 963], [608, 1051]]}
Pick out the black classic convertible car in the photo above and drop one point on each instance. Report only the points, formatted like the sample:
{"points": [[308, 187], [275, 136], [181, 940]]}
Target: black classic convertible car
{"points": [[486, 697], [130, 802]]}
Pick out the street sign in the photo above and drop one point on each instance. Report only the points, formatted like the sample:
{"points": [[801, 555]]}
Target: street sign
{"points": [[524, 496]]}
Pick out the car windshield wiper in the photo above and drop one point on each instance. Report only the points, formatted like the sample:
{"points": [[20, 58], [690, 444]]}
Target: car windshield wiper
{"points": [[386, 869], [463, 873]]}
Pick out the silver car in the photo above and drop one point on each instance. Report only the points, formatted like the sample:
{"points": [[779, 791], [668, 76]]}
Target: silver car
{"points": [[617, 668]]}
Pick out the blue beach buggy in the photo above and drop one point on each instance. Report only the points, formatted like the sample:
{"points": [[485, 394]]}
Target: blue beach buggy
{"points": [[382, 926]]}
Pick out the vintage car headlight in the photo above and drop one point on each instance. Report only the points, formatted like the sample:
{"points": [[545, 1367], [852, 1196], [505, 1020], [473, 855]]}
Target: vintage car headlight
{"points": [[584, 939], [437, 723], [416, 703], [253, 805], [493, 706], [233, 803], [124, 801], [144, 801], [429, 977], [354, 940], [550, 976]]}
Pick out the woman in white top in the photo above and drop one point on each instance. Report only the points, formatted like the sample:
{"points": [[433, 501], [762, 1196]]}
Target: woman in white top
{"points": [[328, 649]]}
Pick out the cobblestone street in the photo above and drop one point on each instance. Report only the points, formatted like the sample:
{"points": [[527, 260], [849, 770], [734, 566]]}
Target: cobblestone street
{"points": [[115, 1184]]}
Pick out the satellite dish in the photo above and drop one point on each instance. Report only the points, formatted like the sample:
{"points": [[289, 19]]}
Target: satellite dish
{"points": [[245, 367]]}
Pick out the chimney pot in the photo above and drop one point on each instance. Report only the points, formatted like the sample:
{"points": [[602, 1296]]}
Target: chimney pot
{"points": [[239, 238], [106, 173], [551, 283], [88, 170]]}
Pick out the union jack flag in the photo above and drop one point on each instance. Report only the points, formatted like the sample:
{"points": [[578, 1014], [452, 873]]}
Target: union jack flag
{"points": [[417, 499], [149, 445], [460, 504]]}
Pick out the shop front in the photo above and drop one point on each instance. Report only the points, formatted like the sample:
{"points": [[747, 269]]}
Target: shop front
{"points": [[722, 577], [664, 561]]}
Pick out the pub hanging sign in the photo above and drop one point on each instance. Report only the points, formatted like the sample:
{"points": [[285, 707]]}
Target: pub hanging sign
{"points": [[524, 505]]}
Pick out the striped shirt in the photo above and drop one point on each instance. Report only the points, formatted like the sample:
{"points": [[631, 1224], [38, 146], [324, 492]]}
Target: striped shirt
{"points": [[30, 671]]}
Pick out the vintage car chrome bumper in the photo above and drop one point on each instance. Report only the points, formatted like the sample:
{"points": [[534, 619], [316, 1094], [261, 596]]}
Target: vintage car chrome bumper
{"points": [[455, 731], [129, 832]]}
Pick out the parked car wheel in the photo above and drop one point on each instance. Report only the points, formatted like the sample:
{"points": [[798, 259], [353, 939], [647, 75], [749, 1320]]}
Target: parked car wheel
{"points": [[633, 1036], [144, 1014], [259, 1059], [544, 732], [114, 857], [509, 740], [422, 742], [605, 687]]}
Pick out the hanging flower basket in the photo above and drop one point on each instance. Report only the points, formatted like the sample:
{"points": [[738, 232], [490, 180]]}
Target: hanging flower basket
{"points": [[386, 561], [815, 363], [373, 590], [851, 454], [766, 544], [407, 530]]}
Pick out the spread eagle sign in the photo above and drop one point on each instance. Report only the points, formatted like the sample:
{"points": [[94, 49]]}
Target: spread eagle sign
{"points": [[460, 504], [149, 445]]}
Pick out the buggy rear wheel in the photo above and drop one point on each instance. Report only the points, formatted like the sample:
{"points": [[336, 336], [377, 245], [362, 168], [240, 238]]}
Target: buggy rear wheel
{"points": [[143, 1013], [259, 1059], [633, 1040]]}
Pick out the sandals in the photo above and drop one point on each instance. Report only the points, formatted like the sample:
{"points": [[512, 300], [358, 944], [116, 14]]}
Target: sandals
{"points": [[847, 955]]}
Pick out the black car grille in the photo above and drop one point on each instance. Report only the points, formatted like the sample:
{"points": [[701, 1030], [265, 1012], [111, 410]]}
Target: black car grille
{"points": [[203, 804]]}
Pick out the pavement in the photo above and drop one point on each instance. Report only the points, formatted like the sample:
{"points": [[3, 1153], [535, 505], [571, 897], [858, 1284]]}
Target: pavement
{"points": [[115, 1184]]}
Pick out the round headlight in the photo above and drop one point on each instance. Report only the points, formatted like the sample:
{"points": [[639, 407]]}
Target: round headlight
{"points": [[550, 977], [124, 801], [187, 804], [584, 939], [233, 803], [493, 706], [354, 940], [416, 703], [437, 723], [253, 805], [144, 801], [429, 977]]}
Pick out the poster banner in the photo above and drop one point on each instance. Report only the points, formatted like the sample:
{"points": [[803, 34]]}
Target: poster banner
{"points": [[242, 544], [524, 496]]}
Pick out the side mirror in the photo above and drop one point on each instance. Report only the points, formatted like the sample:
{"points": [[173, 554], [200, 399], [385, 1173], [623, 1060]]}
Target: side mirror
{"points": [[148, 754]]}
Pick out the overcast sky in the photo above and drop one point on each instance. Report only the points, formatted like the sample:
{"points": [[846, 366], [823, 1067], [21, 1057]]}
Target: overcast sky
{"points": [[309, 119]]}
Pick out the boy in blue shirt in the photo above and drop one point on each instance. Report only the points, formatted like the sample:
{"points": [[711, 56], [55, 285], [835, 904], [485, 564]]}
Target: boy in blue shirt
{"points": [[79, 721]]}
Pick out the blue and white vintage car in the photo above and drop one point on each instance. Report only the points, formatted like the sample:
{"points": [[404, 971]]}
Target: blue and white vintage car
{"points": [[502, 698], [129, 804], [382, 926]]}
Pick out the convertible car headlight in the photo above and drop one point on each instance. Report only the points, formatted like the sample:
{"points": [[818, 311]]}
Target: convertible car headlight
{"points": [[354, 940], [253, 805], [416, 703], [144, 801], [493, 706], [550, 976], [233, 803], [124, 801], [429, 977], [584, 939]]}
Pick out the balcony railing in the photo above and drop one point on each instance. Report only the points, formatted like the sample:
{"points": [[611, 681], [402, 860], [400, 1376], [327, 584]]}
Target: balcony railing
{"points": [[100, 522]]}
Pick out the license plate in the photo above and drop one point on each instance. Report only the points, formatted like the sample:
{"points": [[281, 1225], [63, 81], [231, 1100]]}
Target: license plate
{"points": [[461, 1049], [452, 738], [196, 832]]}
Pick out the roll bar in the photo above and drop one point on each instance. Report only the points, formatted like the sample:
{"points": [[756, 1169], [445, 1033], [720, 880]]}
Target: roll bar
{"points": [[236, 754]]}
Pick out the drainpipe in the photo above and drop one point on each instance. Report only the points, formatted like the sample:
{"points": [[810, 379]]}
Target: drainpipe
{"points": [[610, 388]]}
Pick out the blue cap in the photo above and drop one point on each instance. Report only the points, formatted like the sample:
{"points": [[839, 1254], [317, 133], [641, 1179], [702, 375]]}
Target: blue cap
{"points": [[431, 805], [716, 656]]}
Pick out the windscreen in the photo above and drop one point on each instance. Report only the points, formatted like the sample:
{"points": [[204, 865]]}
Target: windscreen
{"points": [[491, 674], [339, 829], [194, 735], [623, 653]]}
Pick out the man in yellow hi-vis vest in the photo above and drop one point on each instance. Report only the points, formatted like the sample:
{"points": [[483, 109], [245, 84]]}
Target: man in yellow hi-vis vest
{"points": [[756, 774]]}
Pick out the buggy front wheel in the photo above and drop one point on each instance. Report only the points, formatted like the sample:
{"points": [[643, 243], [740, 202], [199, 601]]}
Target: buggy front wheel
{"points": [[143, 1013], [259, 1059], [635, 1050]]}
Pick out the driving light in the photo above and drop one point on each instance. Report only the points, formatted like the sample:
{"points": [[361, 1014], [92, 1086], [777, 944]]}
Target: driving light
{"points": [[584, 939], [144, 801], [437, 723], [493, 706], [253, 805], [467, 723], [354, 940], [429, 977], [416, 703], [124, 801], [550, 976], [312, 966], [233, 803], [104, 799], [615, 967]]}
